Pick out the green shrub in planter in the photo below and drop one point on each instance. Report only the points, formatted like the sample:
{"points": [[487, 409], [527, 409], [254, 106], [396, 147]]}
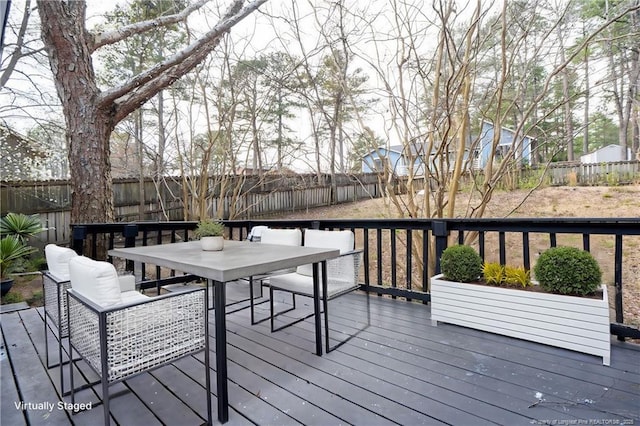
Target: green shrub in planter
{"points": [[568, 270], [461, 263]]}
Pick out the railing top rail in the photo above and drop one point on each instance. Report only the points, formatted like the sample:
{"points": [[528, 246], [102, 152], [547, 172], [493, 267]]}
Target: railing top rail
{"points": [[627, 226]]}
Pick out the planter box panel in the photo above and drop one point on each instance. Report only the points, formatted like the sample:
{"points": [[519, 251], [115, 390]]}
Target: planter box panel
{"points": [[555, 301], [560, 327], [591, 320], [588, 346], [569, 322]]}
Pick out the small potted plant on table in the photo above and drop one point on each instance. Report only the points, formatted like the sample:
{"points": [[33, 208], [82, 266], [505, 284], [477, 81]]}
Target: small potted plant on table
{"points": [[211, 234], [568, 309]]}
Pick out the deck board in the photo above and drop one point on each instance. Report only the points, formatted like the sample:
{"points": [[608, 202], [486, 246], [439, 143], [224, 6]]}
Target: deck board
{"points": [[399, 370]]}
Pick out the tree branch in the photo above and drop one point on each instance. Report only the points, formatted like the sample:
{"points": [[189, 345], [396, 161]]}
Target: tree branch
{"points": [[115, 36], [144, 86], [17, 53]]}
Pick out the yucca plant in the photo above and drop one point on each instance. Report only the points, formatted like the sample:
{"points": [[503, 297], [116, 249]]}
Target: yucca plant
{"points": [[20, 225], [12, 249]]}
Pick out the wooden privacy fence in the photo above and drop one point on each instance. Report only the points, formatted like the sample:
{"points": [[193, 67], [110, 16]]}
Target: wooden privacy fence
{"points": [[256, 197], [615, 173]]}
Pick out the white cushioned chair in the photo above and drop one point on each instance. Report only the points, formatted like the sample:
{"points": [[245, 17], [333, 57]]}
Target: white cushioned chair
{"points": [[256, 233], [55, 282], [121, 334], [286, 237], [342, 277]]}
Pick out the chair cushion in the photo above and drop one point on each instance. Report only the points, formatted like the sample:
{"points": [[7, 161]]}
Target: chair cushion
{"points": [[303, 284], [58, 260], [96, 280], [342, 240], [256, 233], [285, 237]]}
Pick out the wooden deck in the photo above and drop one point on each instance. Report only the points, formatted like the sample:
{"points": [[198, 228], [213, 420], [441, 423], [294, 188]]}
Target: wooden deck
{"points": [[400, 370]]}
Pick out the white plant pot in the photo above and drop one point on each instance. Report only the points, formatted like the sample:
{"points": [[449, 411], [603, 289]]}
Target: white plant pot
{"points": [[212, 243], [577, 323]]}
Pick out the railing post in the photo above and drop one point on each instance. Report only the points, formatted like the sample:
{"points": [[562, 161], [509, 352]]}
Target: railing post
{"points": [[79, 234], [441, 233], [130, 232]]}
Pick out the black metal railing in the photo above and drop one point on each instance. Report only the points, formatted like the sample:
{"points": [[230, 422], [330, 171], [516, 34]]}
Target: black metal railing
{"points": [[394, 257]]}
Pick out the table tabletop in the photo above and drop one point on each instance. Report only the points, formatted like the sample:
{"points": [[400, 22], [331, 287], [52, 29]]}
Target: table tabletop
{"points": [[238, 259]]}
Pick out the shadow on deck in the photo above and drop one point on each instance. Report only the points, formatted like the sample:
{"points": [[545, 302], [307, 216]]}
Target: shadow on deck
{"points": [[400, 370]]}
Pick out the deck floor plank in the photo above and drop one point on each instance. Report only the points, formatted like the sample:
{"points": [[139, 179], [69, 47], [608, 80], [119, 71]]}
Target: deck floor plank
{"points": [[9, 415], [399, 370], [32, 380]]}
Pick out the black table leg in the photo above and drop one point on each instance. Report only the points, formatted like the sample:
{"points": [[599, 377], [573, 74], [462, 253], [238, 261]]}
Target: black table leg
{"points": [[221, 350], [316, 304]]}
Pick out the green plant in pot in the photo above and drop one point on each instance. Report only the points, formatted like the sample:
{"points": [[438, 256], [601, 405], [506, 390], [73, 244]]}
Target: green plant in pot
{"points": [[568, 270], [211, 234], [461, 263], [12, 250]]}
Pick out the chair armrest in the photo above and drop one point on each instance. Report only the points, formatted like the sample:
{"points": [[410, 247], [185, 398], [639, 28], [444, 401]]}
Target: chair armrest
{"points": [[350, 253], [139, 335], [127, 283], [121, 306]]}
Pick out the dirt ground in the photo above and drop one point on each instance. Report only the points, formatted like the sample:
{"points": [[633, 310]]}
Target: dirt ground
{"points": [[619, 201]]}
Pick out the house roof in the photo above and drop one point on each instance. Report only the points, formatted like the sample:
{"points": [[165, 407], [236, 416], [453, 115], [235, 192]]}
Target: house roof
{"points": [[606, 147], [506, 129]]}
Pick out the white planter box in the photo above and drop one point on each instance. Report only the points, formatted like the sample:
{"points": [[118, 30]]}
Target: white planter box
{"points": [[576, 323]]}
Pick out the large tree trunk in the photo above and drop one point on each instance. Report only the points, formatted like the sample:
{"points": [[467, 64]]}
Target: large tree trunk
{"points": [[88, 128], [90, 114]]}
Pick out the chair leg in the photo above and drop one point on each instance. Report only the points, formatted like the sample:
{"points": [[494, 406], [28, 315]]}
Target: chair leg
{"points": [[105, 399], [253, 304], [61, 363], [325, 308], [275, 314], [72, 391], [326, 325]]}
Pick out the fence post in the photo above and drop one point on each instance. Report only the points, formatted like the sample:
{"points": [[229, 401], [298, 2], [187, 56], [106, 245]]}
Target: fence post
{"points": [[441, 233], [79, 234]]}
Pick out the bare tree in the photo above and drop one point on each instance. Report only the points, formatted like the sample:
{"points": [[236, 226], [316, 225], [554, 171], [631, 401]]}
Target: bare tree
{"points": [[437, 96], [90, 113]]}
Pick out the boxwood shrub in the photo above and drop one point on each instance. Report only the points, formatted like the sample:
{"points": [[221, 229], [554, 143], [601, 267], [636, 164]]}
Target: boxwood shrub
{"points": [[461, 263], [568, 270]]}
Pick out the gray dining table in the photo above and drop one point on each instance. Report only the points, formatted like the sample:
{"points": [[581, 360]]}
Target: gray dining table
{"points": [[238, 259]]}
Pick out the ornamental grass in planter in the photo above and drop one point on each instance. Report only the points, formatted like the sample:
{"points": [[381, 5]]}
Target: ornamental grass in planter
{"points": [[568, 308]]}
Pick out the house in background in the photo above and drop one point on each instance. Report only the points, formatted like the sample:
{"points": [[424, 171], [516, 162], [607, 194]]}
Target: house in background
{"points": [[397, 158], [607, 154], [523, 149], [22, 157]]}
